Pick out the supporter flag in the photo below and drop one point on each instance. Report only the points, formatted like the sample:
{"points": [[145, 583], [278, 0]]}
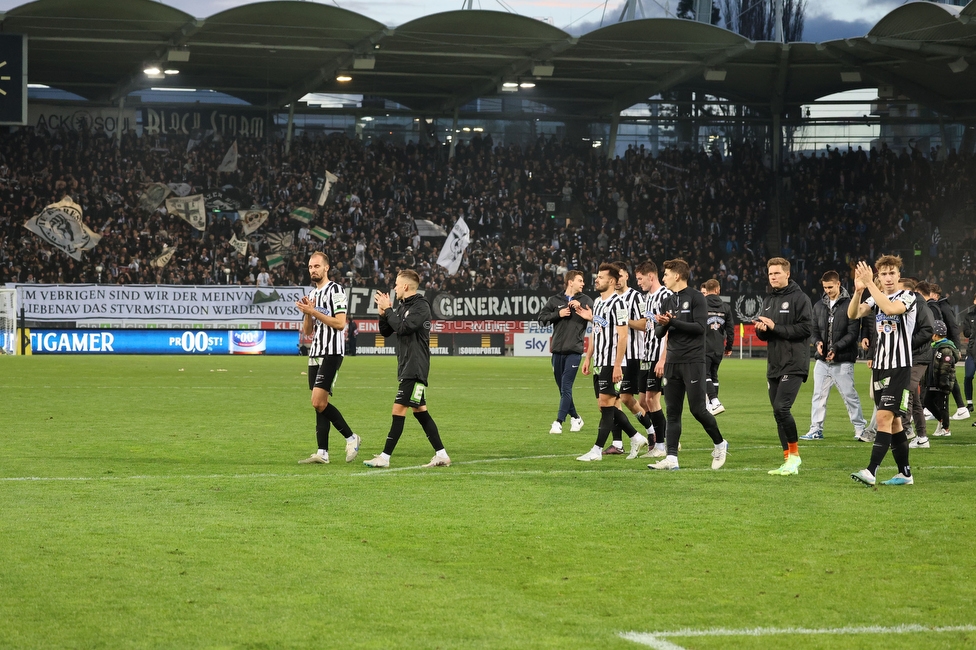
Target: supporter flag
{"points": [[305, 215], [229, 163], [261, 297], [240, 245], [280, 242], [180, 189], [163, 259], [153, 196], [325, 185], [454, 247], [320, 232], [274, 260], [191, 209], [60, 224], [251, 220], [427, 228]]}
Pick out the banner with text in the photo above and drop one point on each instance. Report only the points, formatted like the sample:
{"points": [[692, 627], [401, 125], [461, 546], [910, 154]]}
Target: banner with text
{"points": [[93, 120], [237, 124], [155, 303]]}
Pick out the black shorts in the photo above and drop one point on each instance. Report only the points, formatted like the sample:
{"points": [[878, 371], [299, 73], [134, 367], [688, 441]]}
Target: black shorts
{"points": [[649, 382], [603, 383], [411, 393], [891, 389], [631, 383], [324, 376]]}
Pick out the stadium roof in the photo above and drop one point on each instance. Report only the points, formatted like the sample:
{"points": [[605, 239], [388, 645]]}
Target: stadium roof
{"points": [[272, 53]]}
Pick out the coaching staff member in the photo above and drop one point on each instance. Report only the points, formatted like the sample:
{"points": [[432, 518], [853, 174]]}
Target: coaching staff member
{"points": [[568, 313], [410, 321], [785, 324]]}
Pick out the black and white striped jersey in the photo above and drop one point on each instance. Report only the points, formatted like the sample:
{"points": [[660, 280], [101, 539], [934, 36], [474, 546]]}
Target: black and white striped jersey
{"points": [[894, 346], [654, 305], [607, 316], [326, 341], [633, 302]]}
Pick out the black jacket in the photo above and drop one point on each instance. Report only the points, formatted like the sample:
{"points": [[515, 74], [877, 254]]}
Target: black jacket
{"points": [[410, 321], [788, 344], [843, 336], [949, 318], [568, 332], [719, 331], [969, 330], [922, 336], [686, 329]]}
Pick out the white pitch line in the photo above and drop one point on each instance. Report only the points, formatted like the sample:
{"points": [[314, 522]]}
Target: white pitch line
{"points": [[379, 472], [658, 640]]}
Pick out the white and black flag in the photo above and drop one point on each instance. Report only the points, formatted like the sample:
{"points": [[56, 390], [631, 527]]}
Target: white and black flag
{"points": [[60, 224], [229, 163], [153, 196], [324, 186], [191, 209], [251, 220], [280, 242], [453, 251]]}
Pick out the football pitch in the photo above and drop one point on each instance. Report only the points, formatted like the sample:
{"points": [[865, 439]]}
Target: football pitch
{"points": [[157, 502]]}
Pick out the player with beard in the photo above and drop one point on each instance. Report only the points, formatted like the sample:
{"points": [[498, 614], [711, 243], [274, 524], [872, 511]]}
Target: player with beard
{"points": [[633, 303], [324, 319], [410, 321], [605, 356]]}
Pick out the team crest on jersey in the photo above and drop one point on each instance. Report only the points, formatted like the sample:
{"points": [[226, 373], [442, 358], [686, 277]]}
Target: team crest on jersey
{"points": [[684, 305], [785, 305], [747, 308]]}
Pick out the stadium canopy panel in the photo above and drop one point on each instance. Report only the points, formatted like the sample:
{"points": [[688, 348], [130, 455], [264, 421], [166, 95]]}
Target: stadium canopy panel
{"points": [[272, 53]]}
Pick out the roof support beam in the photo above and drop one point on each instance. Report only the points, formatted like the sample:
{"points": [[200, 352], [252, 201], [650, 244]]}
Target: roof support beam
{"points": [[328, 71], [682, 74], [136, 78], [918, 46], [922, 95], [517, 68]]}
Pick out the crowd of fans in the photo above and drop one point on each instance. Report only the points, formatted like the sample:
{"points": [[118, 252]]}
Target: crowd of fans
{"points": [[711, 210]]}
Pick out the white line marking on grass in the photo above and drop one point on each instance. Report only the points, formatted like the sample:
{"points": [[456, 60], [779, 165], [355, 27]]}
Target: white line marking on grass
{"points": [[377, 472], [657, 639]]}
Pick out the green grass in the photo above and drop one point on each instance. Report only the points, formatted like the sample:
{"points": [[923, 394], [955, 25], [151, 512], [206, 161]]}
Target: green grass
{"points": [[169, 511]]}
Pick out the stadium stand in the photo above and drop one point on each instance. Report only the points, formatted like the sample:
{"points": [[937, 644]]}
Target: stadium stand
{"points": [[713, 211]]}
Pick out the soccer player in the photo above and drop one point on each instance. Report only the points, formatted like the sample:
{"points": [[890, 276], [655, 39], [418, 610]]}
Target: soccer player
{"points": [[633, 304], [324, 310], [835, 339], [605, 356], [655, 356], [718, 338], [785, 324], [891, 371], [683, 321], [410, 321], [564, 312]]}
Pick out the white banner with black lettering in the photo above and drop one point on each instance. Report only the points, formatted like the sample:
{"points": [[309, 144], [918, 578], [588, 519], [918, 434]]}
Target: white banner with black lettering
{"points": [[154, 303]]}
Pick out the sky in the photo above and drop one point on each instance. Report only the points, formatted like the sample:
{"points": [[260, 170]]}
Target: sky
{"points": [[825, 19]]}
